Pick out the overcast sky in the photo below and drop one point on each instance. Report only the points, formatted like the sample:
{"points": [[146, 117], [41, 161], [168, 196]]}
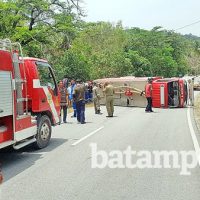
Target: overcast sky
{"points": [[170, 14]]}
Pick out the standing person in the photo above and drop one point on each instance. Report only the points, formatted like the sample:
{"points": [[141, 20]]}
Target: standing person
{"points": [[73, 85], [65, 82], [96, 98], [148, 94], [63, 100], [86, 92], [90, 91], [109, 93], [70, 95], [79, 98]]}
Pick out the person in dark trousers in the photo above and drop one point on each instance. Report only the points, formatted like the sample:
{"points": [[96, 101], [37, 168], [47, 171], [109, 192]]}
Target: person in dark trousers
{"points": [[86, 93], [63, 100], [90, 91], [79, 98], [148, 94], [71, 90]]}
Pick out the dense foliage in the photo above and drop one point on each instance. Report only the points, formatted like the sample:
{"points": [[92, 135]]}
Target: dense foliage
{"points": [[55, 30]]}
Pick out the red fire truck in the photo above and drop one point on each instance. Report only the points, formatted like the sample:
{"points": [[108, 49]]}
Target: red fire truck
{"points": [[29, 99], [170, 92]]}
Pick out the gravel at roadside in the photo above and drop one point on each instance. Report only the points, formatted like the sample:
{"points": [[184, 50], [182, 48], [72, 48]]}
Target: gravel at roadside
{"points": [[197, 110]]}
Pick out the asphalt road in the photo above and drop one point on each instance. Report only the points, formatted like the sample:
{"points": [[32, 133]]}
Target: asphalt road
{"points": [[62, 171]]}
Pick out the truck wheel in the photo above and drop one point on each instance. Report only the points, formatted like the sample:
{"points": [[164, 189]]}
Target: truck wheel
{"points": [[43, 132]]}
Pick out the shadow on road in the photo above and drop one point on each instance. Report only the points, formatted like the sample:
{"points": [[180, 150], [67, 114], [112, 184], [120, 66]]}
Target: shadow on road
{"points": [[14, 162]]}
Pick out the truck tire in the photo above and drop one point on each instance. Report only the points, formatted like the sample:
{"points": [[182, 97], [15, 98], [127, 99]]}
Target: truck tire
{"points": [[43, 132]]}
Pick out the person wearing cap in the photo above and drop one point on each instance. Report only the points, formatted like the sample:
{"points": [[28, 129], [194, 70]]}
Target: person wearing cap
{"points": [[109, 93], [63, 100], [148, 94], [79, 98], [96, 98]]}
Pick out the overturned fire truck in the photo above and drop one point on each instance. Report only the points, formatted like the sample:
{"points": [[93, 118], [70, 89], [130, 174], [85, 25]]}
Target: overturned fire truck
{"points": [[166, 93], [171, 92], [29, 99]]}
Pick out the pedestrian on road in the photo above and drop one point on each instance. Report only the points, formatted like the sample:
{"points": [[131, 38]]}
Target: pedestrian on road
{"points": [[63, 100], [73, 85], [148, 94], [90, 91], [70, 96], [109, 94], [86, 92], [96, 98], [79, 98]]}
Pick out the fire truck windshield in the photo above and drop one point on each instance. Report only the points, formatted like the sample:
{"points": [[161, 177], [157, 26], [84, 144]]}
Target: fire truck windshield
{"points": [[46, 75]]}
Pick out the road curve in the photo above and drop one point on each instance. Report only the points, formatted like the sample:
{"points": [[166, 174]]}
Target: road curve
{"points": [[63, 170]]}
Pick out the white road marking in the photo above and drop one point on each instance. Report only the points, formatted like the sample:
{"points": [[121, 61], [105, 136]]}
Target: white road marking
{"points": [[194, 138], [35, 153], [87, 136]]}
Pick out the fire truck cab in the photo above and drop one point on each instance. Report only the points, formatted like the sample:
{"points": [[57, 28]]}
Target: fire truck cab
{"points": [[29, 99], [170, 92]]}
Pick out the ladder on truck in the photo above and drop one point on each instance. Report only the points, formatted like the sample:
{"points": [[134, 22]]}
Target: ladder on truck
{"points": [[15, 50]]}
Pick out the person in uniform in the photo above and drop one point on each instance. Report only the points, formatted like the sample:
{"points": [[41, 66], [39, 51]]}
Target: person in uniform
{"points": [[109, 94], [96, 98], [148, 94], [79, 98], [63, 100]]}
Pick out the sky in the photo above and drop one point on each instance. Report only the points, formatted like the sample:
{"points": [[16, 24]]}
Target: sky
{"points": [[146, 14]]}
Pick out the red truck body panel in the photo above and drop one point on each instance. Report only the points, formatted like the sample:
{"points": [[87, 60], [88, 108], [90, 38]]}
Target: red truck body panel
{"points": [[169, 93], [36, 99]]}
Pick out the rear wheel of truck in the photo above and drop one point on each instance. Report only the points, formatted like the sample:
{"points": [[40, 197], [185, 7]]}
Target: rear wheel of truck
{"points": [[43, 132]]}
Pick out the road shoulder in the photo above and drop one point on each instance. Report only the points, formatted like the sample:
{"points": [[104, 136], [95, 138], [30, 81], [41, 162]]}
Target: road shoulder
{"points": [[195, 117]]}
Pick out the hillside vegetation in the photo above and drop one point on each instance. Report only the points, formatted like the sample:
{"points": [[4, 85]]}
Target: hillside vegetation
{"points": [[56, 30]]}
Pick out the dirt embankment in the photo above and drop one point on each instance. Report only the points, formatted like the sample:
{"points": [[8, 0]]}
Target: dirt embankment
{"points": [[197, 110]]}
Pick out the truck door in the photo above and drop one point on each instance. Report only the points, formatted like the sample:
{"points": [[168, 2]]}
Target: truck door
{"points": [[49, 86]]}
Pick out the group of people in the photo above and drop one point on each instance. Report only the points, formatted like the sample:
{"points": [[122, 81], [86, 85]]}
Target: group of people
{"points": [[76, 94], [109, 92], [72, 94]]}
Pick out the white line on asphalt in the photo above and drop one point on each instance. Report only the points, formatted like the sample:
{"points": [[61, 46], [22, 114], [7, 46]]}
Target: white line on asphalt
{"points": [[194, 138], [35, 153], [87, 136]]}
